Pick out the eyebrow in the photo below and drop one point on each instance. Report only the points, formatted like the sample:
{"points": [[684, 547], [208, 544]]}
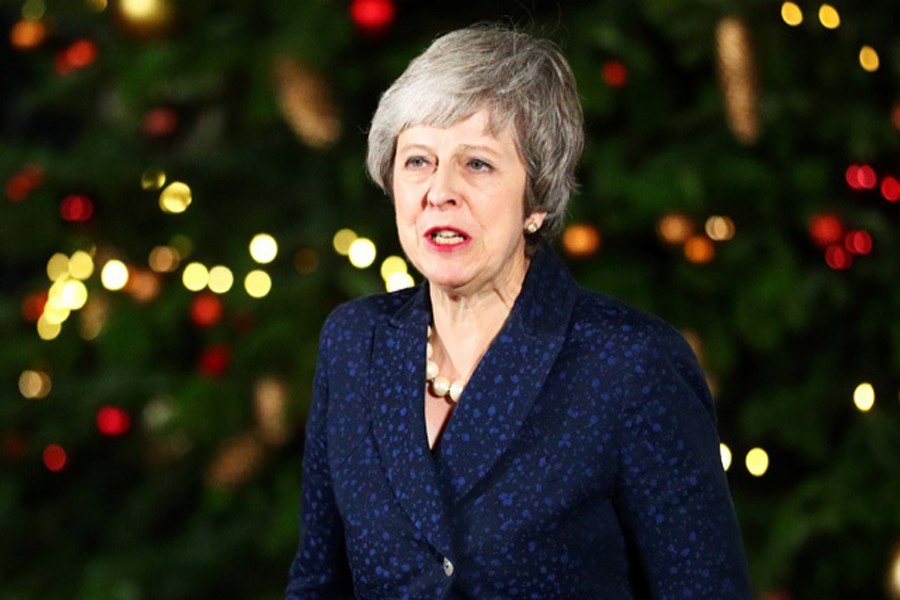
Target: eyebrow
{"points": [[463, 148]]}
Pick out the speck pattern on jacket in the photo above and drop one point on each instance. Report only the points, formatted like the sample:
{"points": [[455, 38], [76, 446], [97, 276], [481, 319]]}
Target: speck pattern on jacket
{"points": [[581, 462]]}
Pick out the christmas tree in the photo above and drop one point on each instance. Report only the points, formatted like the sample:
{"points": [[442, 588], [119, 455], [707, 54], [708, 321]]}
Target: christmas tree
{"points": [[185, 201]]}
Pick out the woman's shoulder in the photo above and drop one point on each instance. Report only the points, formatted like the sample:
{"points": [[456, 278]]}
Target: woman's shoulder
{"points": [[360, 315]]}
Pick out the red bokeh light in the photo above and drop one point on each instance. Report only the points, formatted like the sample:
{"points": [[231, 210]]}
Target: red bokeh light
{"points": [[858, 242], [78, 55], [160, 122], [866, 177], [852, 176], [615, 74], [20, 185], [113, 420], [54, 457], [76, 208], [213, 361], [206, 310], [890, 189], [33, 306], [825, 229], [837, 257], [372, 16]]}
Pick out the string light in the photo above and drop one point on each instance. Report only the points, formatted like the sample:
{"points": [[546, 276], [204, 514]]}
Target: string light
{"points": [[57, 266], [399, 281], [175, 198], [114, 275], [113, 421], [195, 277], [858, 242], [719, 229], [54, 457], [26, 35], [263, 248], [615, 74], [890, 189], [699, 249], [74, 294], [791, 14], [362, 253], [164, 259], [829, 17], [372, 16], [76, 208], [391, 265], [220, 279], [258, 283], [153, 179], [581, 240], [864, 397], [206, 310], [342, 241], [757, 462], [81, 265], [675, 228], [34, 385], [868, 59], [143, 286], [825, 229], [47, 331], [145, 18], [838, 258], [725, 455]]}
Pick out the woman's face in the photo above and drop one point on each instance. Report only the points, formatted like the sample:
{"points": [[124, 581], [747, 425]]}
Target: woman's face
{"points": [[459, 197]]}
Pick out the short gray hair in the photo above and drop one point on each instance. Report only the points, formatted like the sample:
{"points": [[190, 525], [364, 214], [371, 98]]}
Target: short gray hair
{"points": [[522, 80]]}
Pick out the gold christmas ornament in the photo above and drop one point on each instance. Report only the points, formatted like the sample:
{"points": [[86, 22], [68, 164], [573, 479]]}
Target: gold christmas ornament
{"points": [[737, 79], [305, 101]]}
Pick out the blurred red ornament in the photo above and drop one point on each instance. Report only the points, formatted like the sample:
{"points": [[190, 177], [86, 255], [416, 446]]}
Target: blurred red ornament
{"points": [[372, 16], [113, 420], [33, 306], [78, 55], [206, 310], [858, 242], [614, 73], [160, 122], [890, 189], [825, 229], [76, 208], [54, 457], [20, 185], [837, 257], [214, 360]]}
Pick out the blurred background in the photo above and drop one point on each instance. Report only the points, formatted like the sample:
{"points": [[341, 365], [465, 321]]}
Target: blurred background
{"points": [[184, 201]]}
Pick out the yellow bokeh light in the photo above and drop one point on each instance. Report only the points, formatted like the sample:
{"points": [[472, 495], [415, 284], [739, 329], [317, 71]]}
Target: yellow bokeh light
{"points": [[757, 462], [140, 9], [263, 248], [675, 228], [46, 330], [34, 385], [791, 14], [195, 277], [581, 240], [342, 241], [362, 253], [220, 279], [391, 265], [57, 266], [829, 17], [114, 275], [175, 198], [868, 59], [864, 397], [893, 578], [153, 179], [74, 294], [720, 229], [399, 281], [81, 265], [725, 455], [258, 283], [164, 259], [55, 313]]}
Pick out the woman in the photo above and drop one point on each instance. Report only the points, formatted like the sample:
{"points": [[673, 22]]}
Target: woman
{"points": [[499, 432]]}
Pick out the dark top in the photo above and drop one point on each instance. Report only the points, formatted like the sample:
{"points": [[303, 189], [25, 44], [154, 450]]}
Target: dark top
{"points": [[581, 462]]}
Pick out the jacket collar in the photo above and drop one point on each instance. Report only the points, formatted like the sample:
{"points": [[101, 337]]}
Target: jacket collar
{"points": [[497, 399]]}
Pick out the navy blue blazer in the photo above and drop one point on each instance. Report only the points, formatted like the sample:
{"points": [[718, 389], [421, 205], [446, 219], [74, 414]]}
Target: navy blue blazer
{"points": [[581, 462]]}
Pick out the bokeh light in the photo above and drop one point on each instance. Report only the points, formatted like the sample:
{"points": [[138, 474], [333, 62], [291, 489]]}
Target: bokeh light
{"points": [[837, 257], [93, 318], [791, 14], [391, 265], [113, 420], [263, 248], [220, 279], [76, 208], [206, 310], [57, 266], [195, 277], [153, 179], [699, 249], [32, 10], [114, 275], [615, 74], [890, 188], [342, 241], [399, 281], [825, 228], [719, 229], [270, 400], [581, 240], [48, 331], [725, 455], [757, 462], [868, 59], [33, 306], [34, 385], [164, 259], [675, 228], [54, 457], [864, 397], [143, 286], [26, 34], [858, 242], [258, 283], [175, 198], [362, 253], [829, 17], [372, 16], [81, 265], [74, 294]]}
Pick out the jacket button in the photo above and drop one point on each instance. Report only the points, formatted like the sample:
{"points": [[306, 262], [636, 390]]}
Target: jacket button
{"points": [[448, 567]]}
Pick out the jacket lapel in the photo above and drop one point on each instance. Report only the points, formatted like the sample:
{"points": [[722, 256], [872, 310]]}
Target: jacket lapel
{"points": [[503, 389], [397, 384]]}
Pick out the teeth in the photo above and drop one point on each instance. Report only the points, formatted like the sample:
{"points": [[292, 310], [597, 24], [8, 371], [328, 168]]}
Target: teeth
{"points": [[447, 237]]}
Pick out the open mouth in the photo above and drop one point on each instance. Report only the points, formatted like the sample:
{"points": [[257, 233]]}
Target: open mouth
{"points": [[446, 236]]}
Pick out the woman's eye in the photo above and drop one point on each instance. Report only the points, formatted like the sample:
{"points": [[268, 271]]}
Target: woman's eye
{"points": [[415, 162], [477, 164]]}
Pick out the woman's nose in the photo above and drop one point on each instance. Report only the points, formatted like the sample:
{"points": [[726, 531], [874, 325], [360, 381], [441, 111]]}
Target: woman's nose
{"points": [[444, 190]]}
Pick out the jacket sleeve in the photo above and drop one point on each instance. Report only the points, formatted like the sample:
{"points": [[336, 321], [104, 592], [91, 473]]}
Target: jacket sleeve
{"points": [[672, 496], [320, 569]]}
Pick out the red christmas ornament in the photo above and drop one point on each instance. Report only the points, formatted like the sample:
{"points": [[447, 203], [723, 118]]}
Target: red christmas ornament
{"points": [[22, 183], [160, 122], [614, 73], [33, 306], [838, 258], [113, 420], [214, 360], [76, 208], [372, 16], [54, 457], [890, 189], [825, 229], [206, 310]]}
